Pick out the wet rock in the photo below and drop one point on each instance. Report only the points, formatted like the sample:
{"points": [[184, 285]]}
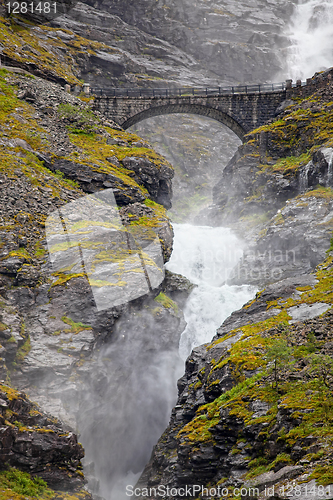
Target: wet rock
{"points": [[270, 478], [156, 181], [34, 442], [291, 243], [305, 311], [28, 276], [178, 287]]}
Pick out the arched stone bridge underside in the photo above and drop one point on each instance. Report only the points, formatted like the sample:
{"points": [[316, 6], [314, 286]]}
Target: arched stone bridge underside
{"points": [[239, 112], [197, 109], [241, 109]]}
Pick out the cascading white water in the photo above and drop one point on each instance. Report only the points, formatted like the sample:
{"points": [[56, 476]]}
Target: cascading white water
{"points": [[206, 255], [138, 370], [311, 35]]}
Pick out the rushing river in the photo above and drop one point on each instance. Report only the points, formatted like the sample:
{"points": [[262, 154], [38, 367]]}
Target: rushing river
{"points": [[206, 256], [136, 412], [139, 413]]}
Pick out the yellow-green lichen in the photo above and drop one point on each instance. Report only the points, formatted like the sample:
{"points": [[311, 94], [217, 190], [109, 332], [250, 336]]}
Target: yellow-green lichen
{"points": [[166, 302]]}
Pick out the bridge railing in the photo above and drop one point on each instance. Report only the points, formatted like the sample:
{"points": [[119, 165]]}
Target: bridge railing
{"points": [[189, 91]]}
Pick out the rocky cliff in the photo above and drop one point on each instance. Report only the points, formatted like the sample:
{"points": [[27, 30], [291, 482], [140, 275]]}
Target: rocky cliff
{"points": [[55, 343], [254, 406], [37, 445], [254, 409], [234, 42], [162, 44]]}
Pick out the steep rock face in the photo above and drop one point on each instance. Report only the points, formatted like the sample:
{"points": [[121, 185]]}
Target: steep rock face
{"points": [[281, 159], [293, 242], [54, 151], [277, 192], [250, 402], [238, 422], [38, 444], [87, 367], [234, 41], [162, 44], [169, 43], [127, 54], [116, 43]]}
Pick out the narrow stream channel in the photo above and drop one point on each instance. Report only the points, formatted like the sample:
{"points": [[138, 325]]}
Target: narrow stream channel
{"points": [[143, 399], [206, 255]]}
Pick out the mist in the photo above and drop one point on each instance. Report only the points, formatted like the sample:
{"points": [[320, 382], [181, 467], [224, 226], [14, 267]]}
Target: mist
{"points": [[128, 402], [129, 398], [198, 148], [139, 369]]}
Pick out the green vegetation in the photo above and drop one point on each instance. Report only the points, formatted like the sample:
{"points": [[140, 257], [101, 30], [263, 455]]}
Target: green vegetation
{"points": [[280, 353], [290, 376], [74, 327], [23, 351], [3, 327], [18, 485], [22, 484], [323, 474], [89, 148], [17, 41], [80, 121], [166, 302], [290, 164]]}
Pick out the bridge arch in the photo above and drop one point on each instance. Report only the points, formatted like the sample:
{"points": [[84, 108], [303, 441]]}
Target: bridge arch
{"points": [[196, 109]]}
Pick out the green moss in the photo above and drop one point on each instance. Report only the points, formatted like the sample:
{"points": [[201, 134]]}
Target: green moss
{"points": [[325, 193], [10, 392], [199, 384], [21, 252], [310, 399], [198, 430], [166, 302], [257, 466], [22, 484], [74, 327], [81, 120], [18, 485], [39, 250], [3, 327], [221, 340], [323, 474], [323, 289], [63, 278], [23, 351], [14, 38], [94, 153], [290, 165], [69, 182]]}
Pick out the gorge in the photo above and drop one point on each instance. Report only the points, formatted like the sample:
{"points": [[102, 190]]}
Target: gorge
{"points": [[261, 237]]}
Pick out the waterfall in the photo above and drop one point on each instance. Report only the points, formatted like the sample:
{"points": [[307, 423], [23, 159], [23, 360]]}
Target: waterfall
{"points": [[328, 153], [137, 372], [206, 256], [304, 177], [311, 36]]}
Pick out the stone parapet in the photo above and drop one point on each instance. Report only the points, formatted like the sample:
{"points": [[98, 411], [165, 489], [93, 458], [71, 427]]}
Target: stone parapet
{"points": [[239, 112]]}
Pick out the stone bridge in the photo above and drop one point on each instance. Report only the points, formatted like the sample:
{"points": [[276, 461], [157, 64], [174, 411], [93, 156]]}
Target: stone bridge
{"points": [[241, 109]]}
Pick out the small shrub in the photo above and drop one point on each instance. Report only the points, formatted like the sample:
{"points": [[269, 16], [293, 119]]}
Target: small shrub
{"points": [[79, 121], [22, 483]]}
